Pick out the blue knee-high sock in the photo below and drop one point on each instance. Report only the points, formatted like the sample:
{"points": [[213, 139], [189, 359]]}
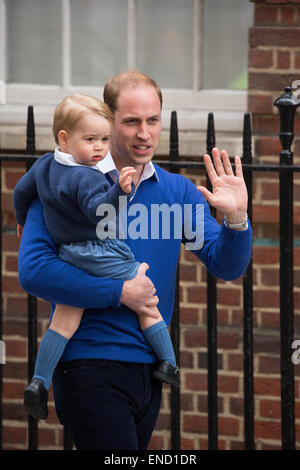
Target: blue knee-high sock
{"points": [[159, 339], [50, 351]]}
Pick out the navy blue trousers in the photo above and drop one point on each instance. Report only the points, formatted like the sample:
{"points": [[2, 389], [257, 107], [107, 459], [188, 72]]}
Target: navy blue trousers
{"points": [[107, 405]]}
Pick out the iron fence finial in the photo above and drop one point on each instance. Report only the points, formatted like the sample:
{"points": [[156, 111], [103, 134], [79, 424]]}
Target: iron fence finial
{"points": [[287, 104]]}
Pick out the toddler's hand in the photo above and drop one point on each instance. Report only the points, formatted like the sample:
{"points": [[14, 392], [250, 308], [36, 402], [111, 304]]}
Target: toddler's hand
{"points": [[125, 178]]}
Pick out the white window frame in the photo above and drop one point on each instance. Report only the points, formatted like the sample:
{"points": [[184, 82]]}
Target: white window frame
{"points": [[192, 105]]}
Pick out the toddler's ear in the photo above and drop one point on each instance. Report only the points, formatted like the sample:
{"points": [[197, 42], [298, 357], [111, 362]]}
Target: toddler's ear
{"points": [[62, 138]]}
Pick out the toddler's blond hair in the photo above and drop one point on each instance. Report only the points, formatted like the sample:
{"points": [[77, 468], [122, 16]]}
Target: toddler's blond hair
{"points": [[72, 108]]}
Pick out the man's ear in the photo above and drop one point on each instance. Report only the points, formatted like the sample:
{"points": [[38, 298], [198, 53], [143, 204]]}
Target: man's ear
{"points": [[62, 139]]}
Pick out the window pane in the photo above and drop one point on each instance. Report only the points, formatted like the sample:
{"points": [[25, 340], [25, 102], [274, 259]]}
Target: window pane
{"points": [[165, 41], [225, 43], [34, 41], [98, 40]]}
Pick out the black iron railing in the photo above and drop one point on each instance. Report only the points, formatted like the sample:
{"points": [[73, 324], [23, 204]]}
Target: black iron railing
{"points": [[287, 105]]}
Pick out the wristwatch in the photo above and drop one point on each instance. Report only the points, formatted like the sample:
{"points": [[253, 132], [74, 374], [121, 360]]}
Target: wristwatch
{"points": [[239, 226]]}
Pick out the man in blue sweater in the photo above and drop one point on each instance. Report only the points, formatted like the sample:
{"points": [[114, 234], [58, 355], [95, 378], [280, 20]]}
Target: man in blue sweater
{"points": [[104, 390]]}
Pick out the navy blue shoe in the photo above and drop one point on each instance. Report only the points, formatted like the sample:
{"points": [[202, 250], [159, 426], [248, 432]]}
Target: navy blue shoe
{"points": [[36, 399], [167, 373]]}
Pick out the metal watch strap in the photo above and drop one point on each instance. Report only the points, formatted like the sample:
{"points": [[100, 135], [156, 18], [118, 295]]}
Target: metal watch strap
{"points": [[240, 225]]}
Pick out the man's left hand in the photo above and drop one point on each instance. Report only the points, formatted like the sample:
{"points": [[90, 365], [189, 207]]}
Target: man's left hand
{"points": [[229, 193]]}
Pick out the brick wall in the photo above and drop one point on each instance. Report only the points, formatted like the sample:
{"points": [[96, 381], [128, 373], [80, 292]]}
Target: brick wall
{"points": [[15, 434], [274, 62]]}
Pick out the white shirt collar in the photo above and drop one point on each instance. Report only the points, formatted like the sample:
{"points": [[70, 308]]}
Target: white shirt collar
{"points": [[107, 165], [68, 159]]}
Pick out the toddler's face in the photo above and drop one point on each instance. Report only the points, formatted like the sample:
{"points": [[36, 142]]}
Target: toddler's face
{"points": [[88, 142]]}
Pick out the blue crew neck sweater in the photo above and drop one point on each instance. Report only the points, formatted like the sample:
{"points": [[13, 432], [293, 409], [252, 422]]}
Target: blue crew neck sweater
{"points": [[109, 330], [70, 196]]}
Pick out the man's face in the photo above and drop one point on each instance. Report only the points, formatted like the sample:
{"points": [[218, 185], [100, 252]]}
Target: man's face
{"points": [[136, 132]]}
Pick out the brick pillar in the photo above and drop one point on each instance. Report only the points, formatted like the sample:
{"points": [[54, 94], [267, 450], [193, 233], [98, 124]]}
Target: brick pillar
{"points": [[274, 62]]}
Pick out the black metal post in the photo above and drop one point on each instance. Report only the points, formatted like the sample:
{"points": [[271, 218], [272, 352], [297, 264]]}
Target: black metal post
{"points": [[287, 104], [212, 357], [31, 301], [248, 303], [175, 329], [68, 443]]}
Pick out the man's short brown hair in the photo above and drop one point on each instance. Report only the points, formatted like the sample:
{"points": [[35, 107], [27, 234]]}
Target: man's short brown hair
{"points": [[124, 80]]}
